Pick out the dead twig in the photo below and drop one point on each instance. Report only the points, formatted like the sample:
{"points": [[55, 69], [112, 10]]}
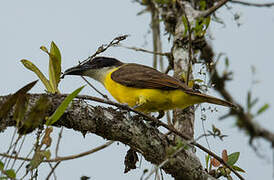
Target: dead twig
{"points": [[63, 158], [145, 50], [103, 95], [53, 169], [58, 141], [104, 47]]}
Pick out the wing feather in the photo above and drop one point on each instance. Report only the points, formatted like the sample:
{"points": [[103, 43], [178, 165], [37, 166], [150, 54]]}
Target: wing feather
{"points": [[140, 76]]}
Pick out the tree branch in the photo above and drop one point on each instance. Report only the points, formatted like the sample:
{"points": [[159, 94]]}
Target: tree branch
{"points": [[113, 125]]}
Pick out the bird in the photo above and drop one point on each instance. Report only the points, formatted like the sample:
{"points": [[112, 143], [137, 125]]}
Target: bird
{"points": [[142, 87]]}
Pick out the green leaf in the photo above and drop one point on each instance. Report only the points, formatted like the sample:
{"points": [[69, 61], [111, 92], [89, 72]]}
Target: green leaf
{"points": [[1, 165], [47, 154], [236, 168], [10, 173], [263, 109], [233, 158], [222, 171], [3, 178], [248, 101], [202, 5], [38, 158], [207, 161], [54, 66], [207, 22], [29, 65], [162, 1], [226, 62], [43, 48], [201, 25], [35, 116], [6, 107], [198, 27], [61, 109], [54, 50]]}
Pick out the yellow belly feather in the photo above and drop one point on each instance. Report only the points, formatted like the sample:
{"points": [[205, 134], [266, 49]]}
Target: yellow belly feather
{"points": [[148, 100]]}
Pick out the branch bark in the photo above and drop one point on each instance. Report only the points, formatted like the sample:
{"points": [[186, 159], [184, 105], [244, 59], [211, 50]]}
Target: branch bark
{"points": [[113, 125]]}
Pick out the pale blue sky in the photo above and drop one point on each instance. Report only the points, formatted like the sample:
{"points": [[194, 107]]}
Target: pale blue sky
{"points": [[79, 27]]}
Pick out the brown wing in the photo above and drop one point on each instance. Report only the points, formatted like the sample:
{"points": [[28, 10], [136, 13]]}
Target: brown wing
{"points": [[140, 76]]}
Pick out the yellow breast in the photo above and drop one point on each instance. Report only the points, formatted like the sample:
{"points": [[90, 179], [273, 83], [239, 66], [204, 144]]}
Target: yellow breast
{"points": [[147, 100]]}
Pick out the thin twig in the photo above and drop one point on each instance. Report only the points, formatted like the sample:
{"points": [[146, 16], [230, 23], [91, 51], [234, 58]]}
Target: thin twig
{"points": [[103, 95], [58, 142], [145, 50], [11, 145], [20, 147], [201, 136], [2, 171], [14, 148], [53, 169], [203, 125], [54, 174], [63, 158], [103, 48], [252, 4], [24, 160]]}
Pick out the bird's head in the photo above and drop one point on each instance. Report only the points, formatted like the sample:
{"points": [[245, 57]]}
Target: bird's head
{"points": [[95, 68]]}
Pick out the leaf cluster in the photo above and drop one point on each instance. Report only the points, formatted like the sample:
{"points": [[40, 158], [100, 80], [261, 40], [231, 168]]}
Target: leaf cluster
{"points": [[216, 169], [28, 118], [54, 54]]}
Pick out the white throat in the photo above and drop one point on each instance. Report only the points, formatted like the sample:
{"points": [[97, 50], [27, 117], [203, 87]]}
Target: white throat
{"points": [[99, 74]]}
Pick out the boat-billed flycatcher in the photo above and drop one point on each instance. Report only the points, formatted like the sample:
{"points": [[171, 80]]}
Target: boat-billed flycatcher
{"points": [[142, 87]]}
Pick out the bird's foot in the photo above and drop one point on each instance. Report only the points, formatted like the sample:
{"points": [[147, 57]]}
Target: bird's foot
{"points": [[161, 114]]}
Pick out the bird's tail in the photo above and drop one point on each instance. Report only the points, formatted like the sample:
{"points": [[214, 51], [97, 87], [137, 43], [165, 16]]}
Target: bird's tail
{"points": [[210, 99]]}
